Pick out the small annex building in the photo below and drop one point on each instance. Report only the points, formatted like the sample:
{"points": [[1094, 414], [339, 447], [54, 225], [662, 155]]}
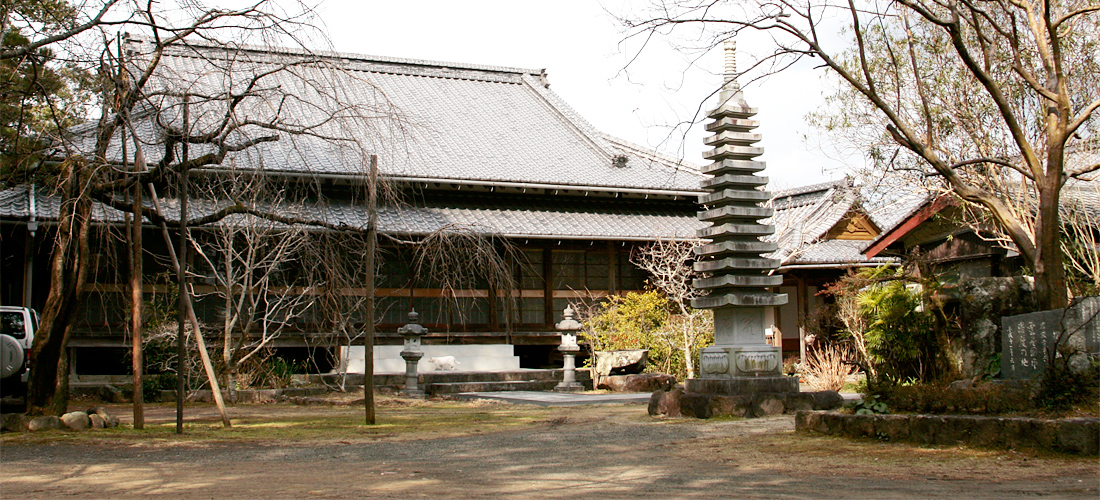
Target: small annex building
{"points": [[821, 230]]}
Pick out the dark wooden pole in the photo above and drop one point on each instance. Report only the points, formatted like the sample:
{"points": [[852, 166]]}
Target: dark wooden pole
{"points": [[181, 277], [372, 237]]}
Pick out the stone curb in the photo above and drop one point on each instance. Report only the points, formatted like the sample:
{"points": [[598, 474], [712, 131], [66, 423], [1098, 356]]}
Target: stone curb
{"points": [[1069, 435]]}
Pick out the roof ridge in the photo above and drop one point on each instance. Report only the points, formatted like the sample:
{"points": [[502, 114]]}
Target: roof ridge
{"points": [[823, 186], [350, 56], [587, 132]]}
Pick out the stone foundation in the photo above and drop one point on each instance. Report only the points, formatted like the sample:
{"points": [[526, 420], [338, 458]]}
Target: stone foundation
{"points": [[1069, 435], [677, 402]]}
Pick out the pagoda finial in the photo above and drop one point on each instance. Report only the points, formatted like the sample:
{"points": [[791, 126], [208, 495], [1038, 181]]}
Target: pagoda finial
{"points": [[730, 87]]}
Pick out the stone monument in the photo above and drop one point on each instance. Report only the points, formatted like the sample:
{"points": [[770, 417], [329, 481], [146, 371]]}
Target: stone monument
{"points": [[740, 361]]}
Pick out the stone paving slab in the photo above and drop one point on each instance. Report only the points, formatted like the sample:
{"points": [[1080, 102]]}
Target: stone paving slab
{"points": [[558, 398]]}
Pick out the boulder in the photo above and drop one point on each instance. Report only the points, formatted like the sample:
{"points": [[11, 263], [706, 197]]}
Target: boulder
{"points": [[76, 420], [772, 405], [731, 406], [622, 362], [655, 402], [112, 394], [109, 421], [799, 401], [12, 422], [666, 402], [642, 382], [43, 423], [97, 421], [827, 400], [805, 421], [694, 404]]}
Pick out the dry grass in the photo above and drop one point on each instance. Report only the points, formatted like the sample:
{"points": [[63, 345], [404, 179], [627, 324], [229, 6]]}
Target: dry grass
{"points": [[341, 420], [825, 368]]}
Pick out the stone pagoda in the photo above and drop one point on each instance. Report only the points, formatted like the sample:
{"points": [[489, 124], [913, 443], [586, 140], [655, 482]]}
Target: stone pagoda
{"points": [[740, 361]]}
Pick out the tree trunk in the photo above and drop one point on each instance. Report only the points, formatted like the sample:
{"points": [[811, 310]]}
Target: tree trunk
{"points": [[1048, 265], [47, 392]]}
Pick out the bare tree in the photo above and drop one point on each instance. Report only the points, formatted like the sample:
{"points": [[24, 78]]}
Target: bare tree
{"points": [[670, 267], [186, 119], [960, 89]]}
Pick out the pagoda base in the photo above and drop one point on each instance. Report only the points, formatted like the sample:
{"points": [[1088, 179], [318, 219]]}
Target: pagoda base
{"points": [[737, 386]]}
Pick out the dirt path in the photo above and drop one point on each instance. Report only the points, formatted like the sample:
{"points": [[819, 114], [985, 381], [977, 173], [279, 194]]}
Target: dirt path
{"points": [[601, 452]]}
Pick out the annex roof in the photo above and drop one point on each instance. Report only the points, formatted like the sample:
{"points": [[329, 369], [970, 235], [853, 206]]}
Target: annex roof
{"points": [[805, 216]]}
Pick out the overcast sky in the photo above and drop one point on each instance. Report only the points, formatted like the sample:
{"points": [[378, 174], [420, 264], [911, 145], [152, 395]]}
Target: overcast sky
{"points": [[580, 46]]}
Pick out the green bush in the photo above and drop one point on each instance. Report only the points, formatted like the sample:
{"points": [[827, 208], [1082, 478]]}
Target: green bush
{"points": [[643, 321], [901, 333]]}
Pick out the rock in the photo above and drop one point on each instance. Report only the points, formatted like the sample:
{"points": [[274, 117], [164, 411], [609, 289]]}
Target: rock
{"points": [[772, 405], [44, 423], [97, 421], [922, 428], [112, 394], [694, 404], [799, 401], [988, 432], [859, 425], [109, 421], [892, 427], [12, 422], [1079, 435], [620, 362], [76, 420], [655, 402], [666, 402], [731, 406], [827, 400], [643, 382], [805, 421]]}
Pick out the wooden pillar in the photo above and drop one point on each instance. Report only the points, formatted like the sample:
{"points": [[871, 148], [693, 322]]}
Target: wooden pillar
{"points": [[548, 286], [613, 269], [801, 304]]}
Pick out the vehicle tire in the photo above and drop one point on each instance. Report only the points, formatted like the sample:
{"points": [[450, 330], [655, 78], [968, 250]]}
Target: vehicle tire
{"points": [[11, 357]]}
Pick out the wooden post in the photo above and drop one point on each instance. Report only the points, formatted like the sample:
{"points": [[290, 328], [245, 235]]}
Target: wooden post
{"points": [[190, 310], [800, 301], [181, 281], [136, 296], [372, 236]]}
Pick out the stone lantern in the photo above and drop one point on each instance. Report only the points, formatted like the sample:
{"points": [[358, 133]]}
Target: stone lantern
{"points": [[569, 349], [412, 353]]}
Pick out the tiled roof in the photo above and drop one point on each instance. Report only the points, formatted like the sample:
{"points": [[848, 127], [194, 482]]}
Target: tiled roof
{"points": [[449, 122], [804, 215], [599, 220]]}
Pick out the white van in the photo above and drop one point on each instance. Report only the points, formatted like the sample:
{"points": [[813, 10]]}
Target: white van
{"points": [[17, 327]]}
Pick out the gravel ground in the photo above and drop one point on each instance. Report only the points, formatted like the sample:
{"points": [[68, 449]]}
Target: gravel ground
{"points": [[604, 452]]}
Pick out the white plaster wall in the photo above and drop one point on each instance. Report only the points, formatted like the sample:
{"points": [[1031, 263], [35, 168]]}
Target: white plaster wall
{"points": [[471, 358]]}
